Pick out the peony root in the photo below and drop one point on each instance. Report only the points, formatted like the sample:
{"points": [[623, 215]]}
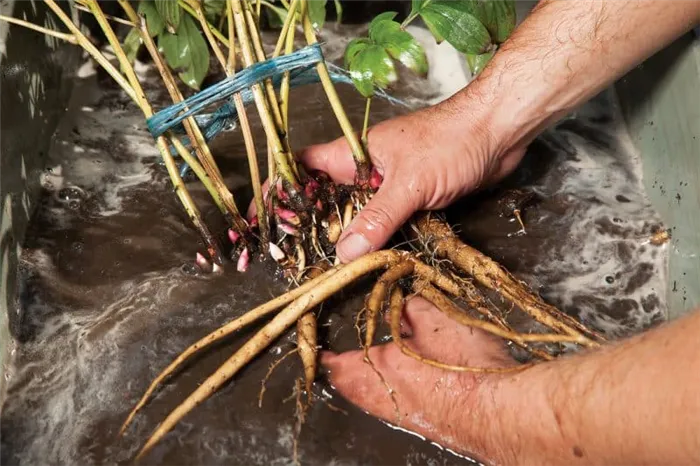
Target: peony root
{"points": [[396, 303], [490, 274], [306, 340], [375, 300], [280, 323], [233, 326], [453, 312], [270, 371]]}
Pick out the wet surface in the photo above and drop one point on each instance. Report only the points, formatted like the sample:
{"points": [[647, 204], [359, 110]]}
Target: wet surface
{"points": [[110, 297]]}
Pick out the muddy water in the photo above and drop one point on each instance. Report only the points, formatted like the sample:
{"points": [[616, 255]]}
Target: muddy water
{"points": [[110, 297]]}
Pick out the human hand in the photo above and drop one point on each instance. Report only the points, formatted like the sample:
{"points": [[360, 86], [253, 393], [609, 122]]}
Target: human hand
{"points": [[428, 159], [455, 409]]}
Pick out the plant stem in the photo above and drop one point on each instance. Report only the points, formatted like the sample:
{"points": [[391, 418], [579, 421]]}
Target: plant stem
{"points": [[409, 19], [193, 131], [35, 27], [280, 155], [361, 161], [260, 56], [284, 87], [85, 43], [231, 62], [198, 170], [365, 125], [222, 38], [174, 94], [116, 19], [207, 28], [140, 98], [283, 39], [285, 28], [271, 94], [228, 66]]}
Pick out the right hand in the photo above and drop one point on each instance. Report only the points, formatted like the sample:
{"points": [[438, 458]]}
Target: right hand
{"points": [[428, 159]]}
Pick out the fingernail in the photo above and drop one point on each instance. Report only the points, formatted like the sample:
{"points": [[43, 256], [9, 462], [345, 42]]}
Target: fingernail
{"points": [[353, 246]]}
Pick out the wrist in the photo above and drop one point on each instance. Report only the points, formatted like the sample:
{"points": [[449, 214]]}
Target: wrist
{"points": [[524, 426], [513, 116]]}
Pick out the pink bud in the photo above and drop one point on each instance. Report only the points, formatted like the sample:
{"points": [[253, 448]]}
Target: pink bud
{"points": [[276, 252], [202, 262], [254, 222], [290, 230], [243, 261], [217, 268], [375, 179], [281, 193], [319, 205], [311, 187], [288, 216], [234, 236]]}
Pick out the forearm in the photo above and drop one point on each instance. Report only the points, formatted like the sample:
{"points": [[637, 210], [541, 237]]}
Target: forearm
{"points": [[635, 402], [564, 53]]}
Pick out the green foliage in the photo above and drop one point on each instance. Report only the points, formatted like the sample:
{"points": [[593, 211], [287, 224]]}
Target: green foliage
{"points": [[214, 9], [456, 22], [170, 11], [132, 45], [178, 36], [186, 51], [499, 18], [370, 60], [276, 15], [338, 11], [317, 13], [154, 21], [473, 27], [478, 62]]}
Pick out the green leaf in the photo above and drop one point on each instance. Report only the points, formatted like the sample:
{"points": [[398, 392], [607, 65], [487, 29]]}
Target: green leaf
{"points": [[154, 22], [186, 52], [354, 47], [372, 66], [213, 9], [386, 16], [338, 11], [317, 13], [416, 6], [478, 62], [170, 12], [132, 44], [461, 29], [275, 15], [399, 44], [499, 18]]}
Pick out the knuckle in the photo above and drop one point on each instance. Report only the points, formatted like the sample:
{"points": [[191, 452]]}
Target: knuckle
{"points": [[379, 217]]}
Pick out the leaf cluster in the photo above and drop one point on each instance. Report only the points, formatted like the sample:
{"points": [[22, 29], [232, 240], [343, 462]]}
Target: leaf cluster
{"points": [[178, 35], [473, 27]]}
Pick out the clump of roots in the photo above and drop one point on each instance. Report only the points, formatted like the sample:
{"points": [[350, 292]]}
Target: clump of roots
{"points": [[451, 281]]}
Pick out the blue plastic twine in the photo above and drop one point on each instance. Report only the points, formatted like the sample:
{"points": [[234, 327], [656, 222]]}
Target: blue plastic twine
{"points": [[300, 66]]}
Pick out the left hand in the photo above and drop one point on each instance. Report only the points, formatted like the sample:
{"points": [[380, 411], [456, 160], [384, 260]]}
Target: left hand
{"points": [[454, 409]]}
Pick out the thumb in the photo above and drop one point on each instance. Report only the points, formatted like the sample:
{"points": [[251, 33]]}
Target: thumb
{"points": [[383, 215], [334, 158]]}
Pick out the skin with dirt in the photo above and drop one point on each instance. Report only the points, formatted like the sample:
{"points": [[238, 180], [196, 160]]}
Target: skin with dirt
{"points": [[110, 293]]}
